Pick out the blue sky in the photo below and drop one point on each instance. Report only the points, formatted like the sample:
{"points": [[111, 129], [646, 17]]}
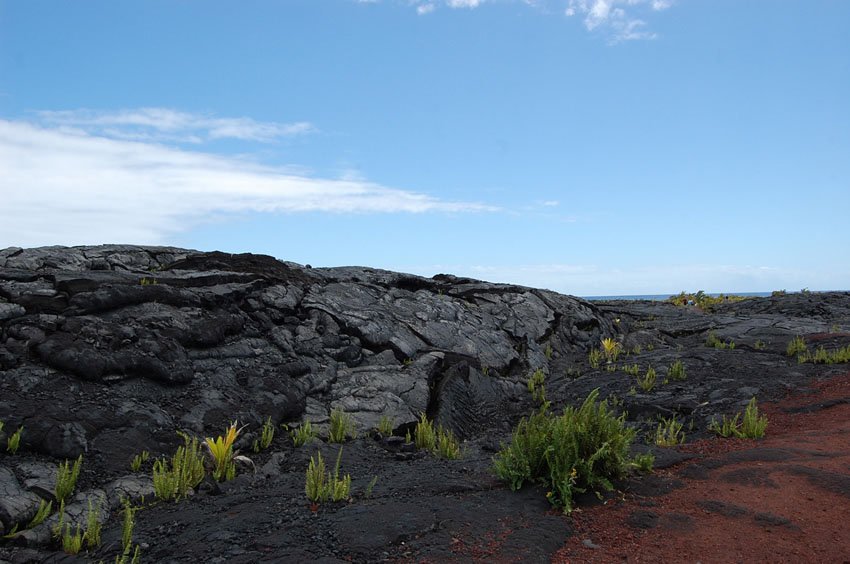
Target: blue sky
{"points": [[588, 146]]}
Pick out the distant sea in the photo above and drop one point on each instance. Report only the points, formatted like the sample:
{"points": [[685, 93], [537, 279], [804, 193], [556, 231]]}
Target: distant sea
{"points": [[662, 297]]}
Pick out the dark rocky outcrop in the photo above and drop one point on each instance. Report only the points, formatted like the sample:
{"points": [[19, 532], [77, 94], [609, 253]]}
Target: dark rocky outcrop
{"points": [[107, 351]]}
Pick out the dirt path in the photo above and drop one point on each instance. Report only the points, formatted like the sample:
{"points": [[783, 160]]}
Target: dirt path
{"points": [[785, 498]]}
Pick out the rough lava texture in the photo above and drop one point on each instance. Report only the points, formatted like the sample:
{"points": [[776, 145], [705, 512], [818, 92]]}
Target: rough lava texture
{"points": [[107, 351]]}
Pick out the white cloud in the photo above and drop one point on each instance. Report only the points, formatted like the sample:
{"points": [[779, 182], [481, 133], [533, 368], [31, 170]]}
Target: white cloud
{"points": [[163, 124], [617, 18], [61, 186], [464, 3]]}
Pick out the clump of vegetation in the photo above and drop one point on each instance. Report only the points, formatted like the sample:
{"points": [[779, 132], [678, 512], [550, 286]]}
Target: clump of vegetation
{"points": [[303, 434], [796, 347], [439, 441], [385, 426], [548, 351], [138, 460], [778, 293], [669, 433], [637, 349], [704, 301], [14, 440], [183, 474], [677, 371], [582, 449], [633, 370], [759, 345], [72, 542], [44, 510], [752, 426], [321, 486], [823, 356], [714, 341], [594, 358], [94, 527], [266, 436], [424, 435], [128, 554], [66, 478], [448, 446], [647, 382], [221, 450], [611, 349], [535, 386], [341, 426]]}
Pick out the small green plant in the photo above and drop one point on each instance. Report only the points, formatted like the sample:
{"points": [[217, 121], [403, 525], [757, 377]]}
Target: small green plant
{"points": [[669, 433], [385, 426], [148, 281], [677, 371], [714, 341], [752, 426], [823, 356], [548, 351], [72, 543], [221, 450], [128, 522], [266, 436], [138, 460], [637, 349], [647, 382], [485, 370], [595, 358], [778, 293], [643, 462], [424, 435], [726, 428], [303, 434], [835, 328], [796, 347], [341, 426], [92, 535], [183, 474], [759, 345], [44, 509], [582, 449], [650, 347], [66, 478], [407, 437], [611, 349], [320, 486], [633, 370], [447, 445], [535, 386], [438, 441], [14, 441], [370, 487]]}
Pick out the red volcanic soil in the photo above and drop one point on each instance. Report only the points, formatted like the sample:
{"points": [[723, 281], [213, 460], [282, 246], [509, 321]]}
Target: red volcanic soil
{"points": [[785, 498]]}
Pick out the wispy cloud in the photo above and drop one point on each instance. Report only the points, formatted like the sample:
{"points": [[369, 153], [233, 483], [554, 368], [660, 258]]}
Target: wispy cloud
{"points": [[617, 18], [164, 124], [66, 186]]}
